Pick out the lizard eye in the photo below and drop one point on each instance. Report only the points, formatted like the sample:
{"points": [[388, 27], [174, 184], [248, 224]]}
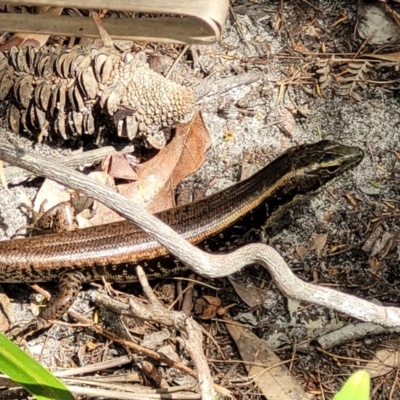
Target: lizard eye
{"points": [[333, 169]]}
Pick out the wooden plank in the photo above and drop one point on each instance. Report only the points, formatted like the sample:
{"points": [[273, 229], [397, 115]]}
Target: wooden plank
{"points": [[170, 30], [211, 12]]}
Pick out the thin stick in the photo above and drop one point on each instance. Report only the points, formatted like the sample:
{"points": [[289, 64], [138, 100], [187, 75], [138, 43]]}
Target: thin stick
{"points": [[176, 61]]}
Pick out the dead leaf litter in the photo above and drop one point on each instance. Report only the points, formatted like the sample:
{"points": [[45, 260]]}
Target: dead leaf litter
{"points": [[320, 80]]}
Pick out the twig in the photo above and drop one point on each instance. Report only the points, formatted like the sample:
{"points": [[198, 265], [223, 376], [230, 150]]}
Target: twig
{"points": [[117, 394], [191, 333], [351, 333], [239, 28], [209, 265], [118, 307], [315, 7], [94, 368], [218, 86], [175, 319], [158, 314], [147, 290], [176, 61], [15, 175], [105, 36]]}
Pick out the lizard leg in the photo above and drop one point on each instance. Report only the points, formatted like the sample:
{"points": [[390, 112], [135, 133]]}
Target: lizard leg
{"points": [[57, 219], [69, 286]]}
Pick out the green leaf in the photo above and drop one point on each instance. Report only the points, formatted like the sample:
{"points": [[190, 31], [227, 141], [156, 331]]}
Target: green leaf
{"points": [[375, 184], [356, 387], [27, 372]]}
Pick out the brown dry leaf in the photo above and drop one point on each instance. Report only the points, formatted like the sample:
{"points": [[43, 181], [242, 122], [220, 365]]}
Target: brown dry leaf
{"points": [[301, 251], [352, 201], [209, 307], [314, 31], [214, 301], [31, 39], [372, 238], [375, 265], [382, 245], [159, 176], [391, 57], [319, 242], [356, 76], [287, 122], [379, 244], [252, 295], [324, 73], [274, 380], [300, 48], [384, 362], [295, 30], [117, 165]]}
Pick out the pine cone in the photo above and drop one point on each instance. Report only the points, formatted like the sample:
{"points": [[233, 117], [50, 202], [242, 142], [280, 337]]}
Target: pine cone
{"points": [[71, 92]]}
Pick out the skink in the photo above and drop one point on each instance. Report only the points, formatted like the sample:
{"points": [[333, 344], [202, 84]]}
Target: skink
{"points": [[112, 251]]}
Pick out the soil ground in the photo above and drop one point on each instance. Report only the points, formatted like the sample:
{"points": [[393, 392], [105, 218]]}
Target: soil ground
{"points": [[281, 110]]}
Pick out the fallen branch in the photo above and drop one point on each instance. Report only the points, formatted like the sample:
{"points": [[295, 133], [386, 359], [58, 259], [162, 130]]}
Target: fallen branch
{"points": [[209, 265], [155, 312], [15, 175]]}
